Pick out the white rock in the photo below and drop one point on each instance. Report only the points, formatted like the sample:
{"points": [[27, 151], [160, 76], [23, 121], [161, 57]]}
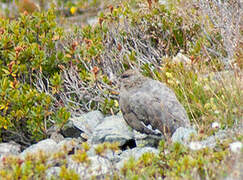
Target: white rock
{"points": [[9, 148], [88, 122], [112, 129], [136, 153], [181, 58], [182, 134], [47, 146], [98, 166], [236, 147]]}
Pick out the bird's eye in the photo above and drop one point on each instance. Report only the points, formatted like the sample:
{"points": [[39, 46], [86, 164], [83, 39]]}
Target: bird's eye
{"points": [[124, 76]]}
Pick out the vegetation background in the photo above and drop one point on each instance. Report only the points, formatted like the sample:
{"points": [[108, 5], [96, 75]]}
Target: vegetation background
{"points": [[62, 58]]}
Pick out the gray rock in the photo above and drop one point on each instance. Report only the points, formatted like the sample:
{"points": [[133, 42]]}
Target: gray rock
{"points": [[10, 148], [209, 142], [164, 2], [182, 135], [70, 131], [57, 137], [112, 129], [196, 145], [145, 140], [47, 146], [98, 166], [136, 153], [69, 144], [88, 122], [53, 172], [149, 106], [113, 157]]}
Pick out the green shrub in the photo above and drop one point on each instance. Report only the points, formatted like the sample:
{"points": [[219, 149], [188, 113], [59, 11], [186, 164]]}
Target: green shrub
{"points": [[128, 35], [160, 24], [176, 161], [28, 49]]}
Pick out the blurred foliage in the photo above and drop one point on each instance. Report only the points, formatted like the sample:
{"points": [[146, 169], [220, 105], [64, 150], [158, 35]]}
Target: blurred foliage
{"points": [[160, 24], [35, 165], [176, 161]]}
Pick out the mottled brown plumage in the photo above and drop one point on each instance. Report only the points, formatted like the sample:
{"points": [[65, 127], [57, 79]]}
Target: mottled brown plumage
{"points": [[149, 106]]}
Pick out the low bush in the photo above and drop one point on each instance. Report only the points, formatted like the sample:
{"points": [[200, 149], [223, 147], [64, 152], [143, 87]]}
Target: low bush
{"points": [[28, 49]]}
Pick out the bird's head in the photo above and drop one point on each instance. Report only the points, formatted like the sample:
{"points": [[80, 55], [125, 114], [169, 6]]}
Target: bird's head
{"points": [[130, 78]]}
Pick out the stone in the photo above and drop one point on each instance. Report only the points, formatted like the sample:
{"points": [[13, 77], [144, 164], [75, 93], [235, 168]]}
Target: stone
{"points": [[181, 58], [136, 153], [146, 140], [87, 122], [196, 145], [57, 137], [10, 148], [69, 144], [112, 129], [53, 172], [70, 131], [149, 106], [97, 167], [182, 135], [209, 142], [47, 146]]}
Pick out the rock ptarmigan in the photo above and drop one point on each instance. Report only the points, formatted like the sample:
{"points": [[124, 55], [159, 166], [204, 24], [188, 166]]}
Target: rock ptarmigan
{"points": [[149, 106]]}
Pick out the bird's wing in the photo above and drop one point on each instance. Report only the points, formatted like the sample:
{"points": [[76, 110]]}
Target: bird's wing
{"points": [[142, 112], [174, 112]]}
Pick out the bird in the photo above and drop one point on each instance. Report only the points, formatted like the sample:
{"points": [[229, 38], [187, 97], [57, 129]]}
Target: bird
{"points": [[149, 106]]}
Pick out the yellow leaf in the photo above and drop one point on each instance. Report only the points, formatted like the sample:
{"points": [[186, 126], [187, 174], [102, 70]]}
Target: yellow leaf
{"points": [[2, 107], [6, 71], [73, 10], [5, 107], [169, 75], [55, 37], [116, 103], [171, 82], [11, 84], [54, 90], [68, 56], [115, 92]]}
